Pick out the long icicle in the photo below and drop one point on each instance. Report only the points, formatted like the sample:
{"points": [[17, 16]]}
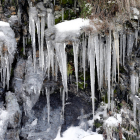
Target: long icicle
{"points": [[116, 43], [75, 51], [91, 55]]}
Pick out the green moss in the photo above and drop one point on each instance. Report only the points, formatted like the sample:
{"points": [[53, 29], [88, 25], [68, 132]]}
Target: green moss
{"points": [[69, 69], [81, 85], [97, 124], [82, 76], [58, 20], [64, 2]]}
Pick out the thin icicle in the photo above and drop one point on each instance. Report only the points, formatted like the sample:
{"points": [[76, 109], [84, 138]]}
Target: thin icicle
{"points": [[136, 37], [97, 56], [48, 103], [112, 99], [62, 14], [23, 45], [84, 57], [38, 33], [91, 56], [63, 103], [42, 40], [109, 65], [114, 65], [124, 46], [134, 110], [121, 47], [75, 51], [56, 69], [19, 16], [116, 43], [101, 64]]}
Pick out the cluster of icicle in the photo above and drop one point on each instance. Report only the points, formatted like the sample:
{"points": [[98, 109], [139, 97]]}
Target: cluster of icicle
{"points": [[7, 50], [106, 55]]}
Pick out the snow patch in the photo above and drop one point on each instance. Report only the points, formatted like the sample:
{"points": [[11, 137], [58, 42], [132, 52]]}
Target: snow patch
{"points": [[76, 133]]}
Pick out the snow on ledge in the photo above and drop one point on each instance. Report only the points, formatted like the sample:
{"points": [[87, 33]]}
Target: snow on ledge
{"points": [[72, 25], [2, 23]]}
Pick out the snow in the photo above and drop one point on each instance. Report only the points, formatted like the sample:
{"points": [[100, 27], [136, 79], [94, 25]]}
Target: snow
{"points": [[135, 11], [2, 23], [76, 133], [72, 25], [93, 137], [113, 121]]}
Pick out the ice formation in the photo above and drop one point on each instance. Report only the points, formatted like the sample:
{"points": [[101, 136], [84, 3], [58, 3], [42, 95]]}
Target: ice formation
{"points": [[7, 50], [104, 52]]}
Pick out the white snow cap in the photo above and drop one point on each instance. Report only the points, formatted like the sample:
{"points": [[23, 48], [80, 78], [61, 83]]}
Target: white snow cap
{"points": [[72, 25]]}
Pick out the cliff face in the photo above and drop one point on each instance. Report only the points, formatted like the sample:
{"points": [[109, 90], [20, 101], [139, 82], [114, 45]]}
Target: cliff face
{"points": [[69, 79]]}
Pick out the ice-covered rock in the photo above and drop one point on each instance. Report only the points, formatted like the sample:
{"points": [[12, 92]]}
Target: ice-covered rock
{"points": [[13, 110], [7, 50]]}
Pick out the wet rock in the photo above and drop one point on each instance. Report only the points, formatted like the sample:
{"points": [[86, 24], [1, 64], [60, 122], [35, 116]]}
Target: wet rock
{"points": [[73, 108], [13, 109], [12, 134]]}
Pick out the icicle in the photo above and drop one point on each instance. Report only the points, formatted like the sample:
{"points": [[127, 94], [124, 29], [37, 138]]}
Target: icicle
{"points": [[42, 40], [97, 56], [133, 84], [101, 64], [116, 43], [136, 36], [109, 65], [48, 103], [38, 33], [32, 20], [121, 47], [63, 103], [75, 51], [19, 16], [50, 18], [62, 61], [134, 110], [54, 2], [130, 42], [75, 6], [91, 56], [23, 45], [8, 72], [114, 65], [56, 69], [124, 45], [112, 99], [62, 14], [84, 58], [50, 61]]}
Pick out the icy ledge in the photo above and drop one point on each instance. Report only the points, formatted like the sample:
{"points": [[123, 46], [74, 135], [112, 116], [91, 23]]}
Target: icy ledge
{"points": [[69, 30]]}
